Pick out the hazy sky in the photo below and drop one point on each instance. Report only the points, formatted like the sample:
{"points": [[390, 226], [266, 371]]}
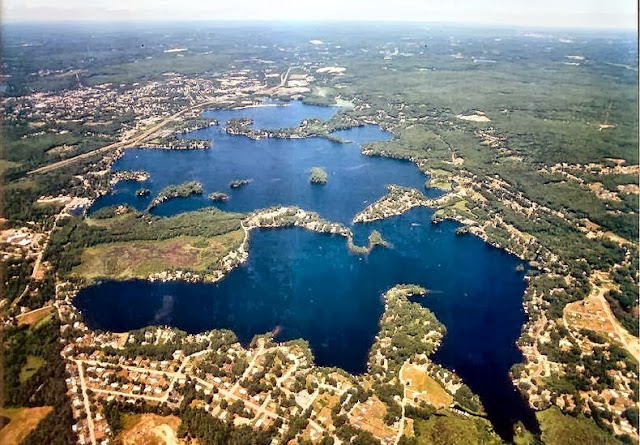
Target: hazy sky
{"points": [[531, 13]]}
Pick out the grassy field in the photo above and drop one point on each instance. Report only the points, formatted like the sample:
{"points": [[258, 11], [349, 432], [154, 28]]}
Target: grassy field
{"points": [[23, 421], [31, 367], [454, 430], [42, 321], [424, 386], [4, 165], [558, 429], [139, 259]]}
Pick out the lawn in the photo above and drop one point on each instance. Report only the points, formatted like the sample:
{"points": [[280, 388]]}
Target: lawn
{"points": [[369, 416], [5, 165], [442, 185], [31, 367]]}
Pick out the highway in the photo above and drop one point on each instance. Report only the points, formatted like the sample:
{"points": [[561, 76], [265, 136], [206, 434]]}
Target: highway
{"points": [[146, 133], [127, 142]]}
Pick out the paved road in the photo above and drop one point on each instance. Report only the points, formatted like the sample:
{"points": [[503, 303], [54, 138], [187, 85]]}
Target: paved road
{"points": [[38, 263], [631, 343], [87, 406], [146, 133], [246, 372], [128, 142]]}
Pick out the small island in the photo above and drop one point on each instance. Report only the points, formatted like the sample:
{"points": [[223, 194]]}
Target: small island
{"points": [[237, 183], [142, 192], [375, 239], [183, 190], [318, 176], [129, 175], [218, 196]]}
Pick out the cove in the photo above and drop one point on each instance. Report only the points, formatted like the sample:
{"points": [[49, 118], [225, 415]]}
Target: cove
{"points": [[474, 290]]}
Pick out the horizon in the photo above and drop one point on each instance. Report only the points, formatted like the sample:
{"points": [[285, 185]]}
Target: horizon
{"points": [[545, 14], [453, 25]]}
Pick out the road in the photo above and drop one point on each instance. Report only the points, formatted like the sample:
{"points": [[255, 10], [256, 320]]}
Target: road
{"points": [[128, 142], [146, 133], [404, 399], [246, 372], [175, 376], [260, 410], [87, 406], [38, 264], [630, 343]]}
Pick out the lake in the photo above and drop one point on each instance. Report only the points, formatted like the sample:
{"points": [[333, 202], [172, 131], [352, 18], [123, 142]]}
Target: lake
{"points": [[278, 168], [308, 284]]}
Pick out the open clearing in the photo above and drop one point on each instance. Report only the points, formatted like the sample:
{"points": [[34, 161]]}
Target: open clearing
{"points": [[558, 429], [595, 314], [421, 386], [33, 317], [323, 405], [151, 429], [478, 117], [5, 165], [454, 430], [139, 259], [31, 367], [369, 416], [23, 421]]}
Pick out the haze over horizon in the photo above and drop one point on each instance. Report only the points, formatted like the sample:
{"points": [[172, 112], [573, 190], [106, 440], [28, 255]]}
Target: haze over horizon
{"points": [[621, 14]]}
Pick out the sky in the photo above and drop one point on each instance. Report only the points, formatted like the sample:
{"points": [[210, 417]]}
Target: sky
{"points": [[526, 13]]}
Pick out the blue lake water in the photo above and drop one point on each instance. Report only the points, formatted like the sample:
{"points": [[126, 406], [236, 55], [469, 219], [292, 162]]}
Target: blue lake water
{"points": [[308, 284], [279, 170], [287, 115]]}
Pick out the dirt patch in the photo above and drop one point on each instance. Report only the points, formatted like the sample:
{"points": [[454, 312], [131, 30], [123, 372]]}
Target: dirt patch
{"points": [[33, 317], [369, 416], [23, 421], [61, 149], [323, 405], [598, 189], [151, 429], [479, 116], [595, 314], [588, 314]]}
